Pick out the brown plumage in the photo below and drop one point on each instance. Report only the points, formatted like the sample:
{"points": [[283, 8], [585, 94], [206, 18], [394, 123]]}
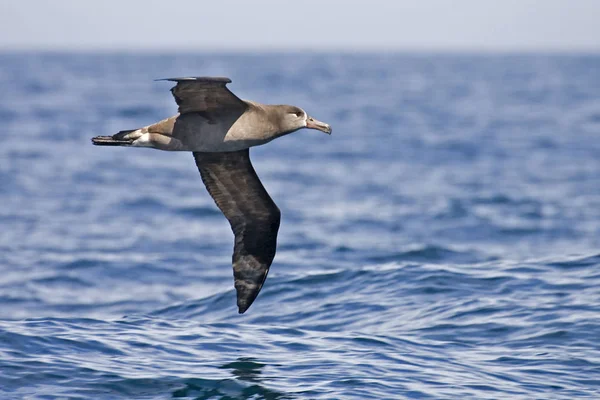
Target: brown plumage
{"points": [[219, 129], [254, 218]]}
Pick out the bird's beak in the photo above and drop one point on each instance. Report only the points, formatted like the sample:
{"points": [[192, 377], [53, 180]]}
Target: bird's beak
{"points": [[312, 123]]}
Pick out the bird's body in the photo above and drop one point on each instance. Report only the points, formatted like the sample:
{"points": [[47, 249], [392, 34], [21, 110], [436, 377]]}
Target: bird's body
{"points": [[197, 132], [219, 128]]}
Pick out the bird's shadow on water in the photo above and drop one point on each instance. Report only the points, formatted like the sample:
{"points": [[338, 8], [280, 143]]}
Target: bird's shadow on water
{"points": [[245, 370]]}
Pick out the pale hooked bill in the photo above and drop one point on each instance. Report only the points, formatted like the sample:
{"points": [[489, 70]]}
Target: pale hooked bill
{"points": [[219, 128]]}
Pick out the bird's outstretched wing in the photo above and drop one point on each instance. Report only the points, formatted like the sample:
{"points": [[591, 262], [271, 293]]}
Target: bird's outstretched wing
{"points": [[254, 217], [205, 105], [205, 95]]}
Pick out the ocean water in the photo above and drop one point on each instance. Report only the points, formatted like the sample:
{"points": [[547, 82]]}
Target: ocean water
{"points": [[443, 243]]}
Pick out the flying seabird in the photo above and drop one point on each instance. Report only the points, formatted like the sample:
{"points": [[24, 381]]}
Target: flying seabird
{"points": [[219, 128]]}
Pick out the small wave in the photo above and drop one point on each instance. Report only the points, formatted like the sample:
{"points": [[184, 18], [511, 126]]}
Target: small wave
{"points": [[432, 253], [577, 262], [143, 203], [138, 112], [197, 211], [223, 302]]}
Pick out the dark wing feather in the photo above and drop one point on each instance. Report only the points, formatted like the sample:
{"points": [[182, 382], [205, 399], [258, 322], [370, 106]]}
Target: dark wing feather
{"points": [[206, 95], [254, 217]]}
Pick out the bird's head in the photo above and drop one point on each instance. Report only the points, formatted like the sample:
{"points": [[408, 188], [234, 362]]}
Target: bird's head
{"points": [[293, 118]]}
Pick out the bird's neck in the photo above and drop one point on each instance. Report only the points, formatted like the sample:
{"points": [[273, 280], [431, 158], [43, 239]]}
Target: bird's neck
{"points": [[268, 113]]}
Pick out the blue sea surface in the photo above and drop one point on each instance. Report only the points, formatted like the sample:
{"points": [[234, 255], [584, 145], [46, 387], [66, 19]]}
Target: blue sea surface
{"points": [[443, 243]]}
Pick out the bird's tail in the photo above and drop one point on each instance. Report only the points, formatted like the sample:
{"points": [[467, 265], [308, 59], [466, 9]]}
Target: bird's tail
{"points": [[118, 139]]}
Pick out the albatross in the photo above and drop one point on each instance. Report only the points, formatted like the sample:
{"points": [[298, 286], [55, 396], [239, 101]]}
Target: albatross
{"points": [[219, 128]]}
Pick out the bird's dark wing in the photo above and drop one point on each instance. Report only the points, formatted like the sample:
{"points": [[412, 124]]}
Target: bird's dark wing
{"points": [[206, 95], [254, 217]]}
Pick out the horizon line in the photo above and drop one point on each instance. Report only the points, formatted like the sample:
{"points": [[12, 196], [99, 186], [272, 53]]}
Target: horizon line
{"points": [[345, 50]]}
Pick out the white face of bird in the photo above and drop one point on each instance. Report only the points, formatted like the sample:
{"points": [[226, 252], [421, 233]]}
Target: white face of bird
{"points": [[296, 117]]}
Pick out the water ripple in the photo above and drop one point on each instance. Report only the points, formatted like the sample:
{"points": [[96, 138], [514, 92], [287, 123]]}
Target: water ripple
{"points": [[443, 243]]}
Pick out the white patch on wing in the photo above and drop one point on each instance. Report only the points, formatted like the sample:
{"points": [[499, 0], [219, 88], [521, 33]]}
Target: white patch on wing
{"points": [[143, 141], [133, 135]]}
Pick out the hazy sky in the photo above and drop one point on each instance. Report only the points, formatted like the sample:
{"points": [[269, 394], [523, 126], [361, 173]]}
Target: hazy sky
{"points": [[472, 25]]}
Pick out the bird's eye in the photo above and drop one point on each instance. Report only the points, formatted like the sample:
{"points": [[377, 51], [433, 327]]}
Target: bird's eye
{"points": [[298, 114]]}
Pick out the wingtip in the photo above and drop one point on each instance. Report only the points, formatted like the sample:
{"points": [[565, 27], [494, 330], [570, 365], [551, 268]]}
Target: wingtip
{"points": [[219, 79], [109, 141], [243, 307], [246, 294]]}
